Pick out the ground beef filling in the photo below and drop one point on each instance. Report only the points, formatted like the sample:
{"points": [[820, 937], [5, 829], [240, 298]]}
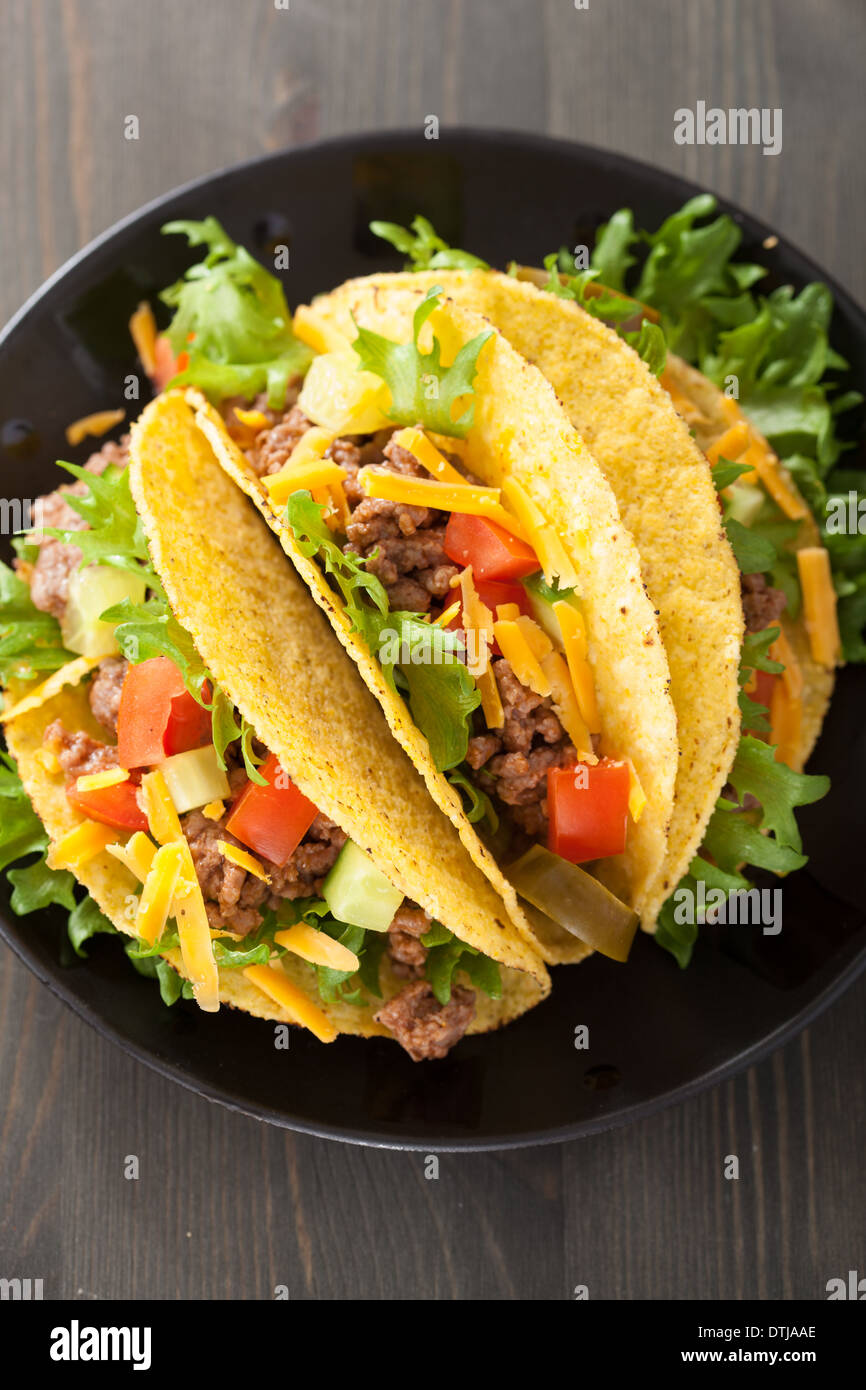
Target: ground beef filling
{"points": [[78, 754], [404, 546], [49, 575], [423, 1026], [105, 691], [512, 763], [407, 952], [762, 605], [234, 898]]}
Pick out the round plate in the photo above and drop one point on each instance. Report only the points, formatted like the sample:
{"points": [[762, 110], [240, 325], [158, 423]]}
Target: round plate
{"points": [[656, 1034]]}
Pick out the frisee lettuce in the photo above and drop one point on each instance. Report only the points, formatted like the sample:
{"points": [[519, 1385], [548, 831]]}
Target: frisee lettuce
{"points": [[115, 536], [441, 693], [30, 641], [422, 390], [446, 955], [232, 319], [767, 837], [776, 345], [424, 248]]}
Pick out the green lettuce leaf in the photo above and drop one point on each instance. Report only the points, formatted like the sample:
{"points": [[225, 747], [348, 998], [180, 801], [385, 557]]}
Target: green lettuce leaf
{"points": [[30, 641], [114, 535], [446, 955], [36, 886], [424, 248], [231, 316], [422, 390], [440, 690], [85, 921]]}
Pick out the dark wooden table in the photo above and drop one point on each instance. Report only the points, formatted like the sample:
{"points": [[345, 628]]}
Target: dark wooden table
{"points": [[225, 1206]]}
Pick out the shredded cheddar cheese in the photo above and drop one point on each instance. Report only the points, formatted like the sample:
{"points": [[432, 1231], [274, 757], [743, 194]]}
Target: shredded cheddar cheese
{"points": [[760, 457], [273, 981], [306, 467], [519, 654], [137, 854], [193, 930], [156, 802], [548, 546], [415, 442], [157, 895], [477, 624], [573, 630], [819, 604], [491, 702], [636, 793], [100, 422], [142, 328], [566, 707], [242, 859], [95, 781], [467, 498], [79, 846], [317, 947]]}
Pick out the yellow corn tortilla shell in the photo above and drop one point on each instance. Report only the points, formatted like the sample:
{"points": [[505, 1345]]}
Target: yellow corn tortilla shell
{"points": [[709, 422], [520, 429], [272, 652], [667, 499], [113, 888]]}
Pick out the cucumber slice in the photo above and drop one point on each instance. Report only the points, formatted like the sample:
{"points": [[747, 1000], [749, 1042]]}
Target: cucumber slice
{"points": [[745, 502], [358, 893], [91, 591]]}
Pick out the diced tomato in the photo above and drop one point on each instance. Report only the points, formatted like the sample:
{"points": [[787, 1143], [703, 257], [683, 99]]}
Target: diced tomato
{"points": [[492, 552], [588, 809], [166, 365], [762, 693], [117, 805], [492, 594], [271, 820], [157, 715]]}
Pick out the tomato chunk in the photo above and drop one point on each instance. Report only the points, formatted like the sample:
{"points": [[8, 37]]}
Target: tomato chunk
{"points": [[762, 693], [115, 805], [157, 715], [166, 366], [271, 820], [588, 810], [492, 552]]}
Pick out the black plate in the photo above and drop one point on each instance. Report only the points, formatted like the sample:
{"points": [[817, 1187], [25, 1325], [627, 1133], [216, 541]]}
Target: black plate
{"points": [[657, 1034]]}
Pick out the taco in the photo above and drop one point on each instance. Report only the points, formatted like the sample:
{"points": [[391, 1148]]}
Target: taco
{"points": [[466, 547], [731, 555], [212, 771]]}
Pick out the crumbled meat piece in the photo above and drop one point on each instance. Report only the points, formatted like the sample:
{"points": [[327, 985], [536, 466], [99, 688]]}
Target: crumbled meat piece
{"points": [[50, 575], [423, 1026], [404, 545], [78, 753], [105, 691], [513, 765], [407, 953], [762, 605], [233, 897], [114, 451], [272, 447]]}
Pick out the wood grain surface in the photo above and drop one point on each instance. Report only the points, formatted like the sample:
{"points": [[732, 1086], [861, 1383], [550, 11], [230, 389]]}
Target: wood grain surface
{"points": [[225, 1206]]}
